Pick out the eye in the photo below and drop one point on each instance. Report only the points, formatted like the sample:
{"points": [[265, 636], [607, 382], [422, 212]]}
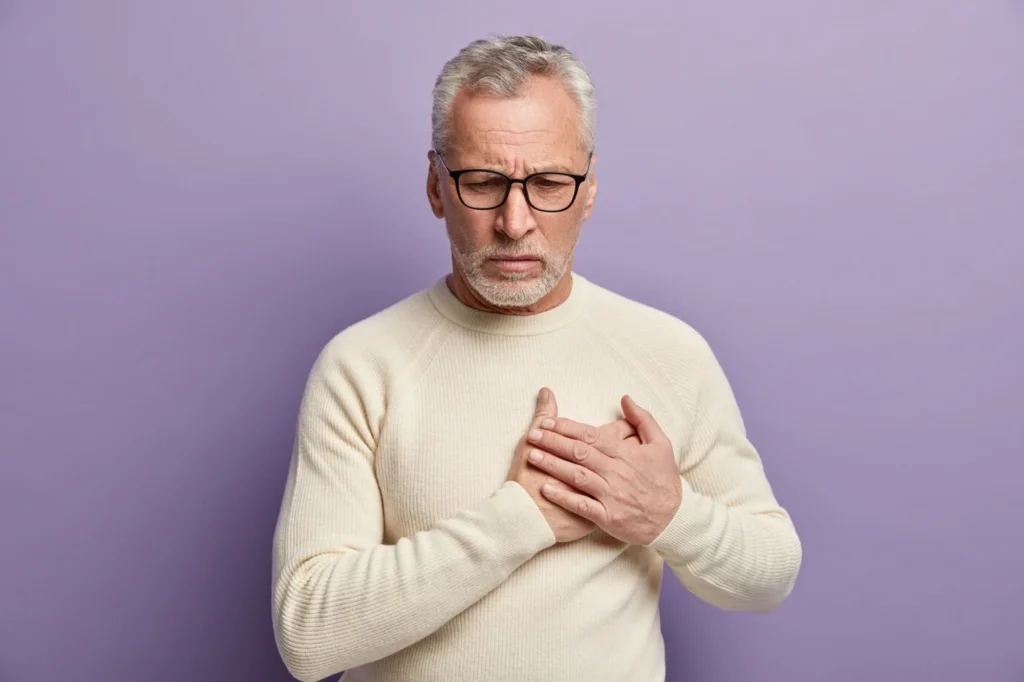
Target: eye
{"points": [[552, 183], [484, 184]]}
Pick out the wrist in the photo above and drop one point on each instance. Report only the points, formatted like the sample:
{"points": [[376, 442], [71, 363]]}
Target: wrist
{"points": [[669, 513]]}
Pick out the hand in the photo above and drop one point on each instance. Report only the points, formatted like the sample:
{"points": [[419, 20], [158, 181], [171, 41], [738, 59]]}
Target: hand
{"points": [[566, 526], [630, 490]]}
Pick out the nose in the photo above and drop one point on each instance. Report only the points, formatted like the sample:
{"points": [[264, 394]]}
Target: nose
{"points": [[515, 218]]}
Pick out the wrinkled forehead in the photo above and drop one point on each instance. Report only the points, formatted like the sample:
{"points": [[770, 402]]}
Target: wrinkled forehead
{"points": [[537, 129]]}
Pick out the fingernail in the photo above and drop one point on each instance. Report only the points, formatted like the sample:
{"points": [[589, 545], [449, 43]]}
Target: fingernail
{"points": [[535, 456], [547, 424], [535, 435]]}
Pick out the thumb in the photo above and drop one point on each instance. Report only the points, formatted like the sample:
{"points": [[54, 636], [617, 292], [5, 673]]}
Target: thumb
{"points": [[642, 421], [546, 405]]}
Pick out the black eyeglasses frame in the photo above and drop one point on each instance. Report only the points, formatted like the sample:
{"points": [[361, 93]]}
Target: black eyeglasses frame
{"points": [[455, 174]]}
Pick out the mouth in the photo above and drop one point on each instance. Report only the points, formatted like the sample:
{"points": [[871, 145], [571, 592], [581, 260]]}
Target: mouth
{"points": [[515, 263]]}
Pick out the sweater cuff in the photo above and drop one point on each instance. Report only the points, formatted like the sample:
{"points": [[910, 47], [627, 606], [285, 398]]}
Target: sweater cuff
{"points": [[683, 538], [525, 525]]}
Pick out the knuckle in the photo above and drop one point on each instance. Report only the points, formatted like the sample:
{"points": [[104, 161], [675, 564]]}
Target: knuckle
{"points": [[590, 435], [580, 451], [582, 507], [580, 477]]}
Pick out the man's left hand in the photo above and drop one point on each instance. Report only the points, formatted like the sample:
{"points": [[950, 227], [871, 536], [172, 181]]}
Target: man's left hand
{"points": [[630, 490]]}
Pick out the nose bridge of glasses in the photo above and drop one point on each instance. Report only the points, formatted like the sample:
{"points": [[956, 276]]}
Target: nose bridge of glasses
{"points": [[511, 185], [512, 182]]}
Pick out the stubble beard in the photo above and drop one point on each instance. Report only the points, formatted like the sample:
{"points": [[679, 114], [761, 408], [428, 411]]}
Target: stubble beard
{"points": [[509, 289]]}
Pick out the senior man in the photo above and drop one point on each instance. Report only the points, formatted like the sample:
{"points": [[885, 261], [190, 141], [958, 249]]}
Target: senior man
{"points": [[489, 474]]}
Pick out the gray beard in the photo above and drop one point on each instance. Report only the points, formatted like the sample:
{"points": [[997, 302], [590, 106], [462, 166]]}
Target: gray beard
{"points": [[509, 290]]}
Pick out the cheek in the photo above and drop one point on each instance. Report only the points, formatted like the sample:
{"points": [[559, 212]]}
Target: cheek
{"points": [[561, 234], [470, 228]]}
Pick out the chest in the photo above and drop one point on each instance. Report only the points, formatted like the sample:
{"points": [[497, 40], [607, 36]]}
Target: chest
{"points": [[448, 445]]}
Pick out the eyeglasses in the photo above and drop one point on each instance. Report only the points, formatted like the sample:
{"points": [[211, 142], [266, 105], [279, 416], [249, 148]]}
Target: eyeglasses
{"points": [[483, 190]]}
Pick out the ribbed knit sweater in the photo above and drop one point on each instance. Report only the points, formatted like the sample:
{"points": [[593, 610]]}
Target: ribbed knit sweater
{"points": [[401, 552]]}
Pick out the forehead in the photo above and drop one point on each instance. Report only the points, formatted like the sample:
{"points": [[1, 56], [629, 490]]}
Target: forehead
{"points": [[539, 128]]}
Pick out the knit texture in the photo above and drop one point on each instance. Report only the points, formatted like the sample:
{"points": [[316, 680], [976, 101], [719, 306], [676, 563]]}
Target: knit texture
{"points": [[402, 554]]}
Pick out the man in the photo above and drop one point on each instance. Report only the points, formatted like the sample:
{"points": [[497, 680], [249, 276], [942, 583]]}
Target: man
{"points": [[430, 529]]}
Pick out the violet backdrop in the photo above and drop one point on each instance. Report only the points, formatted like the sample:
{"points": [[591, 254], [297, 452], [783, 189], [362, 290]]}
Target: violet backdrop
{"points": [[195, 196]]}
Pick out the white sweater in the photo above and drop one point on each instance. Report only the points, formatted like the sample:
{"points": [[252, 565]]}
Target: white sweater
{"points": [[402, 554]]}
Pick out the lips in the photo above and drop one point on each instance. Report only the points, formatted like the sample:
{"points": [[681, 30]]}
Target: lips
{"points": [[515, 264]]}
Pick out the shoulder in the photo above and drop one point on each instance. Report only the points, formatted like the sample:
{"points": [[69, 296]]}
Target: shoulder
{"points": [[648, 331], [374, 354], [672, 358], [361, 368]]}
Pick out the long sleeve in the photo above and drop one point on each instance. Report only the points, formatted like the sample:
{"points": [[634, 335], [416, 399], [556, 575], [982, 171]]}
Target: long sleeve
{"points": [[342, 598], [730, 543]]}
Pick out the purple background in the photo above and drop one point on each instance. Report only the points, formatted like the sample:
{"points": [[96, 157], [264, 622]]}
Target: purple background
{"points": [[195, 195]]}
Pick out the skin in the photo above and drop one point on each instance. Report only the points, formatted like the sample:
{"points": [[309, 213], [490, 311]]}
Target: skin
{"points": [[630, 490], [536, 131], [566, 525], [621, 476]]}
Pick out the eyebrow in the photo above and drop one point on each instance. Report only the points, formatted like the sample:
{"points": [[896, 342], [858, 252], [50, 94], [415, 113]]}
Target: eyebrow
{"points": [[553, 167], [496, 163]]}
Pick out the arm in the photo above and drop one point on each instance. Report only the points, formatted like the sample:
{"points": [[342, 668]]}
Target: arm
{"points": [[730, 542], [341, 598]]}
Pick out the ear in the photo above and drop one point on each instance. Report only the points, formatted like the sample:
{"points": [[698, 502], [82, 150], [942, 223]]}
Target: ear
{"points": [[434, 187], [591, 191]]}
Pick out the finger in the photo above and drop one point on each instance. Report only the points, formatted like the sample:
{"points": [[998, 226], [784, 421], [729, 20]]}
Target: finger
{"points": [[581, 505], [575, 430], [555, 483], [580, 478], [547, 407], [605, 438], [642, 420], [570, 449], [620, 429]]}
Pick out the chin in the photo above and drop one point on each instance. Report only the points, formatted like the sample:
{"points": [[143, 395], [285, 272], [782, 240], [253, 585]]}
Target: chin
{"points": [[515, 291]]}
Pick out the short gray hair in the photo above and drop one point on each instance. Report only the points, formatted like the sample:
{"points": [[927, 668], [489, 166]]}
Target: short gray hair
{"points": [[500, 65]]}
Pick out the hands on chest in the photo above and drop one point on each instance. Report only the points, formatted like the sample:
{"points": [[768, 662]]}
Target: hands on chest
{"points": [[620, 476]]}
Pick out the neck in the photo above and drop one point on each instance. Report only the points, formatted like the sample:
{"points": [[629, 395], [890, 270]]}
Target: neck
{"points": [[458, 286]]}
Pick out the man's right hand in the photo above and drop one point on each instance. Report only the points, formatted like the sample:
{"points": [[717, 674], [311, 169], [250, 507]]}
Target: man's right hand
{"points": [[566, 526]]}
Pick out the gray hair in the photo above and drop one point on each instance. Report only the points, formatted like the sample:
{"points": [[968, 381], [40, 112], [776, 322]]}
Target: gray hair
{"points": [[500, 65]]}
